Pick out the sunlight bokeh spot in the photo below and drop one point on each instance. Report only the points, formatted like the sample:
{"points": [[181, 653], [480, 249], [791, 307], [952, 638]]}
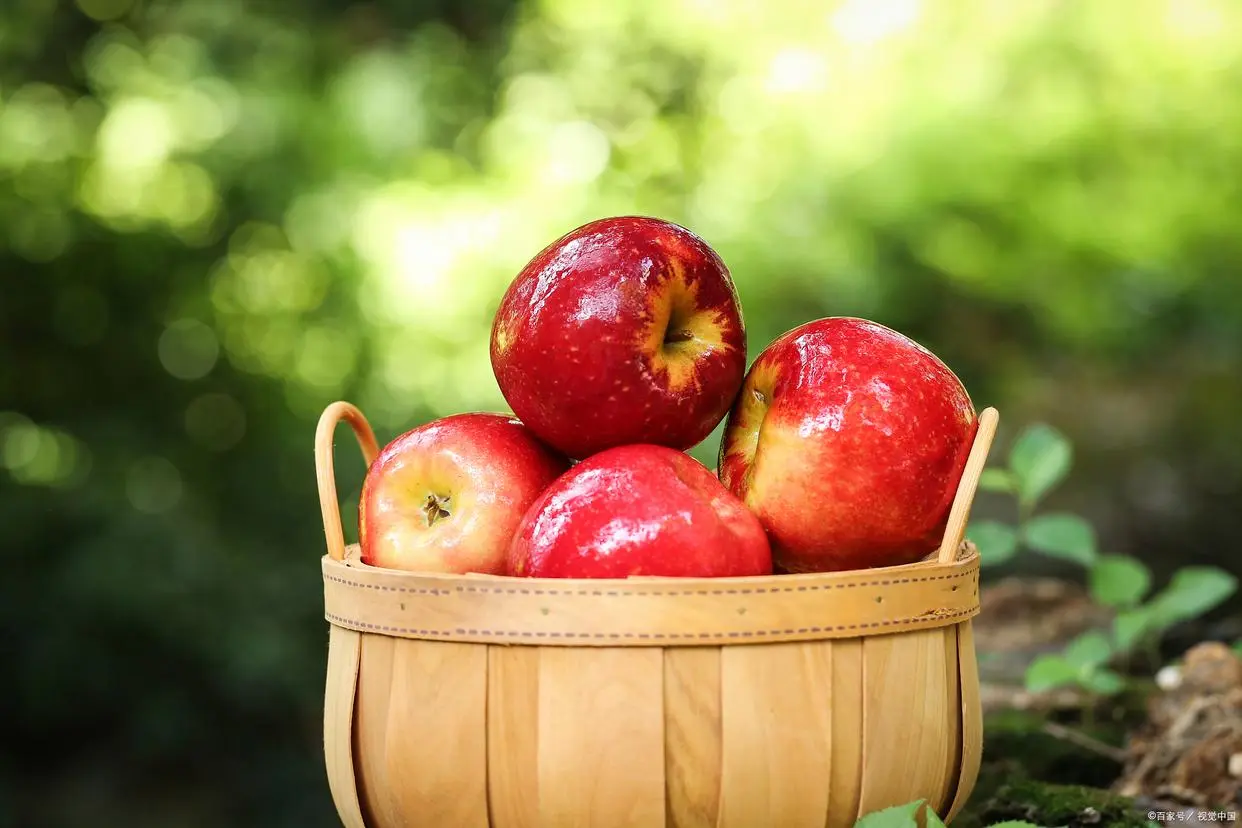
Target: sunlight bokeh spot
{"points": [[138, 132], [796, 70], [415, 244], [35, 126], [105, 9], [865, 22], [378, 97], [203, 112], [319, 222], [577, 153], [188, 349], [183, 195], [20, 444], [326, 358], [38, 456]]}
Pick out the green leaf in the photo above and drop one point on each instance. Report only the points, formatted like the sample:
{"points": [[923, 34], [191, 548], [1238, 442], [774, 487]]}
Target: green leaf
{"points": [[1014, 823], [1103, 682], [1119, 581], [1039, 459], [997, 541], [1048, 672], [899, 816], [1193, 591], [998, 480], [1061, 535], [1237, 646], [1088, 650], [931, 819], [1129, 627]]}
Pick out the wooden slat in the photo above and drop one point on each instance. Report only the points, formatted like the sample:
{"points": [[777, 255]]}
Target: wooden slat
{"points": [[601, 737], [692, 758], [344, 649], [436, 757], [953, 722], [371, 730], [776, 734], [972, 718], [905, 719], [512, 736], [847, 732]]}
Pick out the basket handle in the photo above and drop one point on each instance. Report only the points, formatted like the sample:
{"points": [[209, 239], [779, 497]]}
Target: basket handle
{"points": [[326, 474], [959, 514]]}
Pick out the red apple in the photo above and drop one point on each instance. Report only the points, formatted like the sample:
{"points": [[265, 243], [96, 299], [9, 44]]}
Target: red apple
{"points": [[627, 330], [447, 496], [848, 441], [639, 510]]}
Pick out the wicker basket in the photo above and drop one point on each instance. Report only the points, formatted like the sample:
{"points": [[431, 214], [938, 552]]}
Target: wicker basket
{"points": [[792, 701]]}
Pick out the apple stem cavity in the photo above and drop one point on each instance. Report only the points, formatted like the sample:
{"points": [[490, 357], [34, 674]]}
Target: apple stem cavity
{"points": [[672, 337], [436, 508]]}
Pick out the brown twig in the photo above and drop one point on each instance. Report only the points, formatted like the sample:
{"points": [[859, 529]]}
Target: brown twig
{"points": [[1084, 741]]}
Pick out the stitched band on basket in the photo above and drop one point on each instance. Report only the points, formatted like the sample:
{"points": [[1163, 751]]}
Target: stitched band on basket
{"points": [[528, 634], [645, 593]]}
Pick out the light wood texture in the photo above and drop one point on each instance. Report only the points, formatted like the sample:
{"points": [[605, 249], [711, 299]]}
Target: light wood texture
{"points": [[344, 647], [776, 718], [649, 611], [845, 780], [371, 731], [325, 474], [513, 736], [692, 736], [953, 721], [972, 719], [436, 754], [959, 513], [807, 700], [601, 738], [905, 711]]}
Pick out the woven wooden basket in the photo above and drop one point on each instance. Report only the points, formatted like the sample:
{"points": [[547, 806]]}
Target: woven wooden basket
{"points": [[790, 701]]}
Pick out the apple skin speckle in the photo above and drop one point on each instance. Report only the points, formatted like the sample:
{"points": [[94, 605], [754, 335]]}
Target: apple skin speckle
{"points": [[487, 468], [642, 510], [848, 441], [579, 341]]}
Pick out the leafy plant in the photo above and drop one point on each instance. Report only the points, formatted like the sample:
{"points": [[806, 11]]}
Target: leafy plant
{"points": [[906, 816], [1039, 460]]}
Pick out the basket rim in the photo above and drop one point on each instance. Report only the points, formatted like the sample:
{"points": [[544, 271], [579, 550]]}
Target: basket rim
{"points": [[967, 558], [485, 609]]}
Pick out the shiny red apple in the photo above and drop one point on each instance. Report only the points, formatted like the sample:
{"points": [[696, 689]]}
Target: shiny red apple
{"points": [[447, 496], [848, 441], [639, 510], [626, 330]]}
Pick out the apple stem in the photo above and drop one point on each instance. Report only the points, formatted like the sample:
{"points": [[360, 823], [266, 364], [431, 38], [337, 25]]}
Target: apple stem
{"points": [[435, 508], [673, 337]]}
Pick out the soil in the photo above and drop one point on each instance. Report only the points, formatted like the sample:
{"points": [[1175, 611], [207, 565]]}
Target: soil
{"points": [[1188, 754]]}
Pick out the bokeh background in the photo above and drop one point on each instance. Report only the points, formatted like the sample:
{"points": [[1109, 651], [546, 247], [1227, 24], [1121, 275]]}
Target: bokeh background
{"points": [[218, 216]]}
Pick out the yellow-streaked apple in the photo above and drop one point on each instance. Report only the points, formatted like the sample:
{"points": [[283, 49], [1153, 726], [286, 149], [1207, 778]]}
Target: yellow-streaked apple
{"points": [[448, 495], [626, 330], [848, 441]]}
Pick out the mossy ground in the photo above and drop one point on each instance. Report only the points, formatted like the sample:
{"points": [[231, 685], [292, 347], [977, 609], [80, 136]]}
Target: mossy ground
{"points": [[1029, 774]]}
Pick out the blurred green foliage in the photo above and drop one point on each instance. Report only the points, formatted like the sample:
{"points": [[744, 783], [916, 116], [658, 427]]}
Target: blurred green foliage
{"points": [[216, 217]]}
